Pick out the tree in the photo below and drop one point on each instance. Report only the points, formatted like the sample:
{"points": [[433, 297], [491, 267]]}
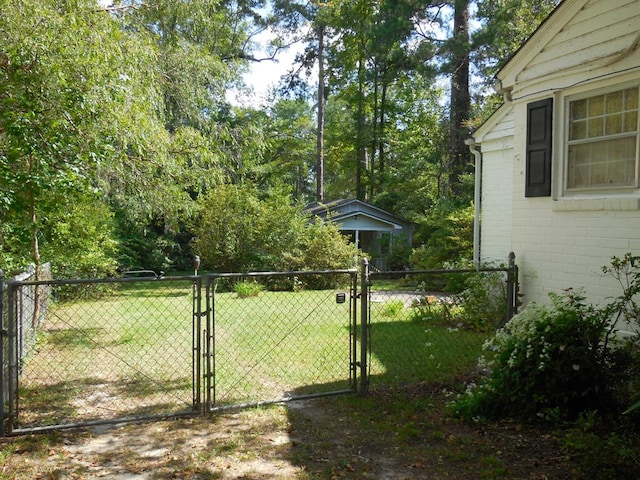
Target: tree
{"points": [[460, 105], [289, 158], [203, 46], [505, 26], [242, 229], [73, 95], [314, 17]]}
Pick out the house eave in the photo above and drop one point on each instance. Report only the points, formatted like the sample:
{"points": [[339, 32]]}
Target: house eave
{"points": [[507, 76]]}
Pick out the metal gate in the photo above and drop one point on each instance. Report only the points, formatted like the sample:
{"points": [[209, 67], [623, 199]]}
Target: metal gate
{"points": [[137, 348], [122, 349], [280, 336]]}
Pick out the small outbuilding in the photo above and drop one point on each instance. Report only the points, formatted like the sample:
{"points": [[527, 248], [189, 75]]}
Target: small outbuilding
{"points": [[373, 230]]}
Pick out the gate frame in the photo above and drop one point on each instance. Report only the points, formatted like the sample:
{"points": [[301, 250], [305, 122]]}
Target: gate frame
{"points": [[209, 340], [203, 336], [8, 416], [202, 347]]}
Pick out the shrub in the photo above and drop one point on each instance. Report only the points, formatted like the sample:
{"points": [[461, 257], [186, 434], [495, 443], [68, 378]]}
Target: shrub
{"points": [[247, 289], [475, 300], [433, 311], [242, 230], [447, 235], [551, 362], [599, 452], [563, 360], [483, 300]]}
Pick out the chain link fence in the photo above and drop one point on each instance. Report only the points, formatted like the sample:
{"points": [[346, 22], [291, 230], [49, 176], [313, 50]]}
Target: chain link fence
{"points": [[29, 309], [131, 348], [125, 350], [279, 336], [430, 326]]}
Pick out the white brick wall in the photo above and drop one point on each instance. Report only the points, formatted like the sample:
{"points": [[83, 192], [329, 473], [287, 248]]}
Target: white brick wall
{"points": [[556, 247], [560, 241], [497, 191]]}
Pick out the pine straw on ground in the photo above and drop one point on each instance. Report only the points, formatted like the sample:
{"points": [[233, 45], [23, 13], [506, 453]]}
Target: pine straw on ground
{"points": [[404, 433]]}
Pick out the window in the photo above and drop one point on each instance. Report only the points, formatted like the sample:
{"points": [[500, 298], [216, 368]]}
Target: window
{"points": [[603, 141]]}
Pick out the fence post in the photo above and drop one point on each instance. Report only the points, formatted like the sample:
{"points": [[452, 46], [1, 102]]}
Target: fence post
{"points": [[364, 327], [512, 287]]}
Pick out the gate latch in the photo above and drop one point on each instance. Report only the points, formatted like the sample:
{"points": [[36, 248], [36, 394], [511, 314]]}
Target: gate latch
{"points": [[341, 297]]}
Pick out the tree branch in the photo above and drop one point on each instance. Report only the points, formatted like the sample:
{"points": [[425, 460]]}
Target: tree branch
{"points": [[118, 8]]}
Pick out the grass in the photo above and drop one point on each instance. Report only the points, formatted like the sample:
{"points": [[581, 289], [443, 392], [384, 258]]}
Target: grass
{"points": [[133, 355], [280, 342], [406, 349], [120, 355], [131, 352]]}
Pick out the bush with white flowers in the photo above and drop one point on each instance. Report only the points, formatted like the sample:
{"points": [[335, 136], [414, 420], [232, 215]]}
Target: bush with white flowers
{"points": [[558, 361]]}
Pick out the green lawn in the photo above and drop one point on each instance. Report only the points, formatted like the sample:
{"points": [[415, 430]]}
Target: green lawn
{"points": [[131, 352]]}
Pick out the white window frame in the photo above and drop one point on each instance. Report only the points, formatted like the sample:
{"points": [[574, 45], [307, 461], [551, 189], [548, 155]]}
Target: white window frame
{"points": [[590, 191]]}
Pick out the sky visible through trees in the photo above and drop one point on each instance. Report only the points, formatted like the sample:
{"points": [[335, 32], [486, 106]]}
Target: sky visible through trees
{"points": [[117, 125]]}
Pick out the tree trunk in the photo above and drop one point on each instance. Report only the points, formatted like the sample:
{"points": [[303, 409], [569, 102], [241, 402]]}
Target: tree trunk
{"points": [[320, 135], [460, 156], [361, 160], [35, 247], [374, 136]]}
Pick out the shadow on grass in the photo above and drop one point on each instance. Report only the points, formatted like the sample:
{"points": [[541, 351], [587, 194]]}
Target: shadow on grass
{"points": [[379, 435], [66, 338], [92, 399]]}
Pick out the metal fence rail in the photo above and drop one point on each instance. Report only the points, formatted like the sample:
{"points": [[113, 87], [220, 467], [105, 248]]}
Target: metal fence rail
{"points": [[127, 354], [122, 349], [291, 336], [429, 326], [29, 307]]}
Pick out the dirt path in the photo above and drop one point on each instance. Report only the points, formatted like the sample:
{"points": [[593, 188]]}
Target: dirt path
{"points": [[388, 435]]}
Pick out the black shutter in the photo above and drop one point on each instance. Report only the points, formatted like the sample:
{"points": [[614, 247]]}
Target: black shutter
{"points": [[539, 135]]}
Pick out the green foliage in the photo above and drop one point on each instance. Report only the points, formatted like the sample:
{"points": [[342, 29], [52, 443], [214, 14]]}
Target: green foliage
{"points": [[240, 231], [392, 308], [77, 115], [132, 103], [483, 300], [399, 252], [559, 361], [599, 452], [322, 246], [80, 241], [474, 300], [506, 25], [247, 289], [550, 363], [447, 236], [432, 311]]}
